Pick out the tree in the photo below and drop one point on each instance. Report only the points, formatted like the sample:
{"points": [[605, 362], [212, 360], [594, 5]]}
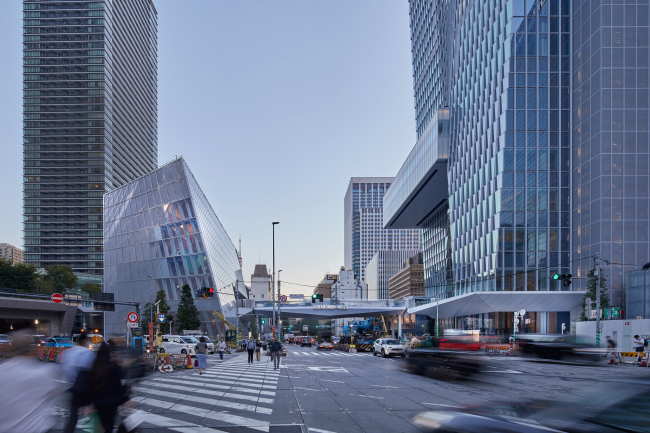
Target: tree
{"points": [[19, 276], [252, 328], [60, 277], [164, 308], [187, 316], [91, 288], [591, 292]]}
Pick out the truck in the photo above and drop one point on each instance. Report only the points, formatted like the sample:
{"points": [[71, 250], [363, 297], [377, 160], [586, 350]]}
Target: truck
{"points": [[362, 334]]}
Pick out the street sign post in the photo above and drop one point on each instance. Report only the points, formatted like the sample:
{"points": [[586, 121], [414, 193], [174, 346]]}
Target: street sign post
{"points": [[283, 298], [57, 298], [96, 339], [132, 324], [132, 317], [161, 318]]}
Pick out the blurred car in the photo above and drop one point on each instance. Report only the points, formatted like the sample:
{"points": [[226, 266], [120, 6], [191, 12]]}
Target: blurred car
{"points": [[450, 357], [192, 339], [388, 347], [58, 342], [336, 339], [175, 344], [325, 345], [38, 340], [306, 341], [557, 347], [5, 339], [617, 407]]}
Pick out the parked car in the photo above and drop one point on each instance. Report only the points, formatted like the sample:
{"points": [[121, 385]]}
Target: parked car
{"points": [[58, 342], [175, 344], [306, 341], [388, 347]]}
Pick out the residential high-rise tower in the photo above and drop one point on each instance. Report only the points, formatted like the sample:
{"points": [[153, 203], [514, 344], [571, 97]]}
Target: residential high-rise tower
{"points": [[90, 120]]}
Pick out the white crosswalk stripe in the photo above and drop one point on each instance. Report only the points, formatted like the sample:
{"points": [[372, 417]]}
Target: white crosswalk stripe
{"points": [[248, 389]]}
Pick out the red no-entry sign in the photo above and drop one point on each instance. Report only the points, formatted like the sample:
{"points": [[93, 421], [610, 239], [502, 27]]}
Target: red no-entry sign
{"points": [[57, 298]]}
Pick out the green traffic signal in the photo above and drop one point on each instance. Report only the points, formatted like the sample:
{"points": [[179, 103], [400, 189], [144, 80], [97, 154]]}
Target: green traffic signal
{"points": [[557, 276], [314, 296]]}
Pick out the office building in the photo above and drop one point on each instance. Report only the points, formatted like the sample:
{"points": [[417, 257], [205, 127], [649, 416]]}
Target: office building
{"points": [[260, 284], [546, 156], [383, 265], [9, 252], [90, 120], [161, 233], [364, 234], [409, 281]]}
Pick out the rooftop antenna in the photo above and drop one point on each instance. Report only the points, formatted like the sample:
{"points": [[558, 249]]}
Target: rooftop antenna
{"points": [[239, 253]]}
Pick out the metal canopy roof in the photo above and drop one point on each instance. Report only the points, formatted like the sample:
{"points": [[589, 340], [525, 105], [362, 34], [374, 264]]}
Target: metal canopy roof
{"points": [[315, 312], [488, 302]]}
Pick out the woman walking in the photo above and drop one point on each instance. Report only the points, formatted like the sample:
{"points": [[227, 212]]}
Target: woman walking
{"points": [[258, 345], [201, 355], [106, 385]]}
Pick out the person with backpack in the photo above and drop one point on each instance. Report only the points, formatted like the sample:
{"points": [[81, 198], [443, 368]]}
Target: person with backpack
{"points": [[639, 344], [250, 347]]}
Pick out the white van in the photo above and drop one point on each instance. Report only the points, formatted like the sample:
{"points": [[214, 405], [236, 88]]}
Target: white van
{"points": [[177, 344]]}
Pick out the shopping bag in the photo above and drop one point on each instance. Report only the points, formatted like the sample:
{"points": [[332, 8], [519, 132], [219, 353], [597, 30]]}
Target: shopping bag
{"points": [[196, 362]]}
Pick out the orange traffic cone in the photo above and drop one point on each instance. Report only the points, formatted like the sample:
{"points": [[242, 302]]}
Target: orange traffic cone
{"points": [[61, 356], [644, 361], [51, 356], [612, 360], [40, 354], [189, 361]]}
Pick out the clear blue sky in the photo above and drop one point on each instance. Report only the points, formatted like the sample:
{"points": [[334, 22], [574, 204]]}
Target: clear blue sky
{"points": [[274, 105]]}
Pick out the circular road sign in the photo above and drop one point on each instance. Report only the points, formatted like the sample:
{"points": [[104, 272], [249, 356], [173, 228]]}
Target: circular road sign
{"points": [[283, 298], [96, 339], [132, 317], [57, 298]]}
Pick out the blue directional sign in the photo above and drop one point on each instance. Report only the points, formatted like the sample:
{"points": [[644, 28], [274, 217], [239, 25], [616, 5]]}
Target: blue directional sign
{"points": [[161, 318]]}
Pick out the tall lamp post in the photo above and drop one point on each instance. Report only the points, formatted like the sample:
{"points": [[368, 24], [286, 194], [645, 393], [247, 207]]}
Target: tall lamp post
{"points": [[645, 271], [273, 288]]}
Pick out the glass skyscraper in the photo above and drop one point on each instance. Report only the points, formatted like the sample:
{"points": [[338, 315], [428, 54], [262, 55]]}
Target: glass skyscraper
{"points": [[547, 158], [90, 120], [161, 233], [364, 234]]}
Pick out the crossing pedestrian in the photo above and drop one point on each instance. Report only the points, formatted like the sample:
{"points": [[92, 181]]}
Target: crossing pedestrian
{"points": [[201, 355], [258, 346], [76, 367], [107, 387], [276, 352], [251, 346], [638, 344], [221, 347]]}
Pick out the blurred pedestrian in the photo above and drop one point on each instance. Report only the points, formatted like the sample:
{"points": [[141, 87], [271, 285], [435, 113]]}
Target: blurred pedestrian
{"points": [[78, 362], [29, 388], [250, 347], [221, 347], [107, 388], [201, 355], [638, 344], [276, 352], [258, 345]]}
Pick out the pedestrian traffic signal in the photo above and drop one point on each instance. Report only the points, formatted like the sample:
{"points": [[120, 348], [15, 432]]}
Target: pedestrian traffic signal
{"points": [[565, 278]]}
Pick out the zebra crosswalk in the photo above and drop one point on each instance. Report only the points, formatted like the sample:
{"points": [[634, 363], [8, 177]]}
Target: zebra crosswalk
{"points": [[332, 353], [228, 395]]}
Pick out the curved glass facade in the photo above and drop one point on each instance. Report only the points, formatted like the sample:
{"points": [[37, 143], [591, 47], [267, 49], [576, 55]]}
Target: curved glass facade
{"points": [[161, 233]]}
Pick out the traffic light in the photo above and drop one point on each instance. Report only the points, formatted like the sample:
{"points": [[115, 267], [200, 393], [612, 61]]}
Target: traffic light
{"points": [[565, 278], [263, 320], [210, 292], [316, 297]]}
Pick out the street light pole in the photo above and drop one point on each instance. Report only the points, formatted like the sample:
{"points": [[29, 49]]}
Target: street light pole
{"points": [[273, 293], [437, 317]]}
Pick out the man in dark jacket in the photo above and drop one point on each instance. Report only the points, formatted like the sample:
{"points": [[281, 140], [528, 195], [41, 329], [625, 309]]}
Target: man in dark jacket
{"points": [[250, 347], [78, 361], [276, 353]]}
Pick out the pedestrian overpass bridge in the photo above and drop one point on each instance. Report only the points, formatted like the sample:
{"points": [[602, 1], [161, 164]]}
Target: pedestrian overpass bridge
{"points": [[331, 309]]}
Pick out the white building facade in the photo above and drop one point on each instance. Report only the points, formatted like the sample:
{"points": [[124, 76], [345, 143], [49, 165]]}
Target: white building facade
{"points": [[260, 284], [382, 266]]}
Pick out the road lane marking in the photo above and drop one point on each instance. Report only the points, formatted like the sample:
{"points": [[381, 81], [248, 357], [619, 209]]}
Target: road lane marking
{"points": [[443, 405], [195, 389], [212, 385], [175, 424], [339, 381]]}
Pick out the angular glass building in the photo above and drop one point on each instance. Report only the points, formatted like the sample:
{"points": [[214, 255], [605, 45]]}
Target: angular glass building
{"points": [[161, 233], [90, 120]]}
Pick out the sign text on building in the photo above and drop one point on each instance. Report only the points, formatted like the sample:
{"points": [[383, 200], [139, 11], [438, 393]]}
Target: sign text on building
{"points": [[330, 307]]}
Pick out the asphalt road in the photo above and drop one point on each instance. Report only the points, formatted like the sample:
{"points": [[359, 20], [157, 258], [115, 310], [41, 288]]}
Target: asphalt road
{"points": [[321, 392]]}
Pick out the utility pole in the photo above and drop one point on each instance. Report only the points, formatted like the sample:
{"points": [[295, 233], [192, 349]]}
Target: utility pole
{"points": [[279, 307], [597, 274], [273, 294], [237, 310]]}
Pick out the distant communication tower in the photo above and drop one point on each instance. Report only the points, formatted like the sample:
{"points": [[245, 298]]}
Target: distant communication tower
{"points": [[239, 254]]}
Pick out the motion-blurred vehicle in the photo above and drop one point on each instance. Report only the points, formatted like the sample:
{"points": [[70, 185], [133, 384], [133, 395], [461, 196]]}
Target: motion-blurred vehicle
{"points": [[619, 407], [38, 340], [336, 339], [557, 347], [325, 345], [388, 347], [5, 339], [58, 342], [306, 341], [456, 355]]}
